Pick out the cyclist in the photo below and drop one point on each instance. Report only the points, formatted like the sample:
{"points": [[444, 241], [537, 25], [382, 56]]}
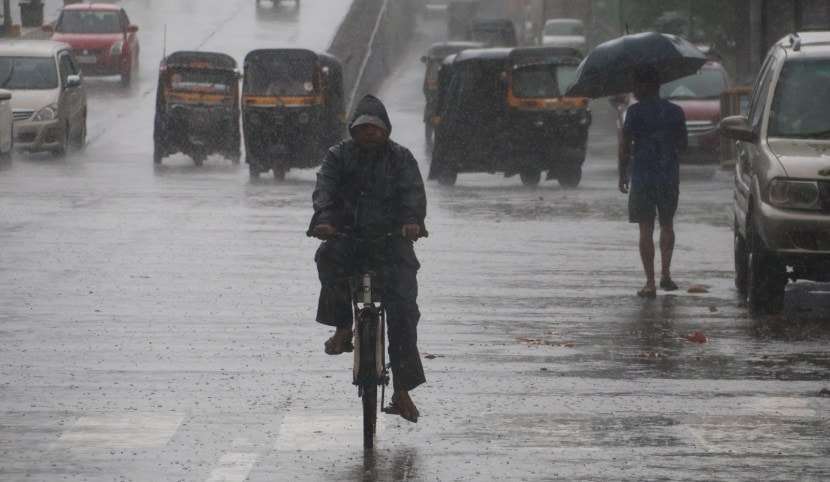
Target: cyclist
{"points": [[371, 185]]}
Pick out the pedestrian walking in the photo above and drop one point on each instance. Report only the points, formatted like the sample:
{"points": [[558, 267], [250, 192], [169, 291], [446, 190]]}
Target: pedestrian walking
{"points": [[653, 134]]}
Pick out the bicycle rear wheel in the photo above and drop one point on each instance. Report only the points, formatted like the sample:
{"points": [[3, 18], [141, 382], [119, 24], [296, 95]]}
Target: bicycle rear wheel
{"points": [[368, 323]]}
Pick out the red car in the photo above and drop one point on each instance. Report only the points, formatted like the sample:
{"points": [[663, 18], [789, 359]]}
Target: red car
{"points": [[102, 38], [699, 97]]}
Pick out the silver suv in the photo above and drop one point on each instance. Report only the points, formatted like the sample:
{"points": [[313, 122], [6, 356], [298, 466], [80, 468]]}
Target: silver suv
{"points": [[782, 177]]}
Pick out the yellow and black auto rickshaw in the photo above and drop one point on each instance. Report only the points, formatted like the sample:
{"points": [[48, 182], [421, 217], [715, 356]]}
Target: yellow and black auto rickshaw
{"points": [[504, 110], [433, 59], [197, 107], [292, 109]]}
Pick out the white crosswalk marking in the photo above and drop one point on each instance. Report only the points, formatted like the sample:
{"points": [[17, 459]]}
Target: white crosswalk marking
{"points": [[322, 432], [233, 467], [123, 430]]}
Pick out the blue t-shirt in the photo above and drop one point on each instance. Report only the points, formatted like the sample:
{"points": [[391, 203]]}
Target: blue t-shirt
{"points": [[657, 127]]}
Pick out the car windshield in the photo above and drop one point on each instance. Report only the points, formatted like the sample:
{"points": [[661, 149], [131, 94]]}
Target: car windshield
{"points": [[542, 81], [28, 73], [563, 28], [88, 21], [801, 100], [211, 81], [281, 77], [706, 84]]}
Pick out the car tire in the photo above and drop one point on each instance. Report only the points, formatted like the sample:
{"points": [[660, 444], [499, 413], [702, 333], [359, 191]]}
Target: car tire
{"points": [[741, 265], [253, 171], [766, 277], [279, 173], [79, 142], [447, 177], [6, 157]]}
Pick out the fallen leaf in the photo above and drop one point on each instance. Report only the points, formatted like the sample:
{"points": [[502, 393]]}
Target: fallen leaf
{"points": [[696, 337], [429, 357], [568, 345], [697, 289]]}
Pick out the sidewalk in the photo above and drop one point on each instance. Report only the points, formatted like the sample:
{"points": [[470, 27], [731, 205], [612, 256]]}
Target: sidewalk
{"points": [[51, 9]]}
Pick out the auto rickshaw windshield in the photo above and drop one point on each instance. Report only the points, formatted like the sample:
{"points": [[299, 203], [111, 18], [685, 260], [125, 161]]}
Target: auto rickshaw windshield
{"points": [[201, 80], [542, 81], [282, 77]]}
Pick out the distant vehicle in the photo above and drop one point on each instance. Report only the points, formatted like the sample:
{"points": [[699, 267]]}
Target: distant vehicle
{"points": [[460, 15], [48, 97], [197, 107], [6, 126], [499, 32], [102, 38], [434, 8], [699, 97], [782, 175], [433, 59], [564, 32], [293, 109], [504, 111]]}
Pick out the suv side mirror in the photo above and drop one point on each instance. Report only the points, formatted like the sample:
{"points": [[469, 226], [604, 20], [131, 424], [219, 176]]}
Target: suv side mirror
{"points": [[737, 127], [73, 81]]}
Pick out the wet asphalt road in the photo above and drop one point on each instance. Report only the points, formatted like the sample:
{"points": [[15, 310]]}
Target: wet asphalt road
{"points": [[156, 324]]}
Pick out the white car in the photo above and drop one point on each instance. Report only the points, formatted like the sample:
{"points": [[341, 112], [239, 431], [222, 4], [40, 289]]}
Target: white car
{"points": [[6, 126], [564, 32], [48, 97]]}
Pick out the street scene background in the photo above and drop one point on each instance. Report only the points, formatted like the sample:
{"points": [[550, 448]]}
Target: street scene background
{"points": [[157, 323]]}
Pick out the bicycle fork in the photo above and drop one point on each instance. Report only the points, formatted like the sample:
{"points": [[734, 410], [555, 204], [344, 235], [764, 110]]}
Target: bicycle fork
{"points": [[370, 337]]}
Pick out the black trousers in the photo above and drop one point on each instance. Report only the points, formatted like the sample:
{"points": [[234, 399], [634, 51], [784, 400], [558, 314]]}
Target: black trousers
{"points": [[396, 269]]}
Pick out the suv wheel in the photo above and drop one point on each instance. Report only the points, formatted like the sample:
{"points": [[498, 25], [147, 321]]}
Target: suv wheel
{"points": [[766, 278], [741, 267]]}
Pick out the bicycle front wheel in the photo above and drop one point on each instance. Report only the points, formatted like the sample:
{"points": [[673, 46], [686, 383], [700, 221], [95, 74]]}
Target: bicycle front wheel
{"points": [[368, 326]]}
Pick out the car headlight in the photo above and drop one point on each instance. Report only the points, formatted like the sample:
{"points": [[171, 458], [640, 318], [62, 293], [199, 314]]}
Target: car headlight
{"points": [[784, 193], [116, 48], [50, 112]]}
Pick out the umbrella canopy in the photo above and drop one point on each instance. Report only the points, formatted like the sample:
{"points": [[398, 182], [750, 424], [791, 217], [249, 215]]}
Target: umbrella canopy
{"points": [[609, 68]]}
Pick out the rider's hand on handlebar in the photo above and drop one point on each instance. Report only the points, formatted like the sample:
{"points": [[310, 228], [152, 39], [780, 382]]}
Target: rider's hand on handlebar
{"points": [[410, 231], [324, 231]]}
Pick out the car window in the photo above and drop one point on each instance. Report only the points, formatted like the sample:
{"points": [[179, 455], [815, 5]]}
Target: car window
{"points": [[760, 91], [124, 19], [563, 28], [22, 73], [88, 21], [801, 99], [706, 84]]}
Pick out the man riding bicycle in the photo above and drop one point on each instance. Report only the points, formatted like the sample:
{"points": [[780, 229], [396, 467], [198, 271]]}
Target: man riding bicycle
{"points": [[370, 185]]}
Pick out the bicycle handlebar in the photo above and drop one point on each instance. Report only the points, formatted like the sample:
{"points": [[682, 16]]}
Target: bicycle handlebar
{"points": [[347, 233]]}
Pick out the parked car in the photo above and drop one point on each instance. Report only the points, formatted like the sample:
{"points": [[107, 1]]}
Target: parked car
{"points": [[564, 32], [6, 126], [102, 38], [782, 175], [699, 97], [48, 97]]}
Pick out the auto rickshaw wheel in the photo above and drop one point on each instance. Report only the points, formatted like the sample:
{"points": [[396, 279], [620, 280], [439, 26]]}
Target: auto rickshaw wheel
{"points": [[447, 178], [279, 173], [428, 134], [253, 171], [531, 178], [156, 156], [199, 159], [570, 176]]}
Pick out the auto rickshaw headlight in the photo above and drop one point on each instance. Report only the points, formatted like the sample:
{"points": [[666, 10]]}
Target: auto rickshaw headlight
{"points": [[308, 86], [303, 118], [50, 112], [539, 122], [116, 48]]}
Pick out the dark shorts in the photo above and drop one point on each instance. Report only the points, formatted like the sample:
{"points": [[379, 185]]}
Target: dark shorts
{"points": [[646, 203]]}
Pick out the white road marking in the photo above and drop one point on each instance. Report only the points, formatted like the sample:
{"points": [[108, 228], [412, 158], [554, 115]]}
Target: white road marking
{"points": [[233, 467], [123, 430], [322, 432]]}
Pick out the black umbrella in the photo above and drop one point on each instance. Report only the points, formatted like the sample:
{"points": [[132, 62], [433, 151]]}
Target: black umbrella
{"points": [[609, 68]]}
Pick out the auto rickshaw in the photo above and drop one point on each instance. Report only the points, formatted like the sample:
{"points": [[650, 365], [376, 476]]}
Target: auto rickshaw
{"points": [[546, 129], [433, 59], [503, 110], [292, 109], [197, 107]]}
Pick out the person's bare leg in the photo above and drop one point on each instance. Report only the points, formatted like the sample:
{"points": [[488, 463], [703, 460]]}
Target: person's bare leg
{"points": [[405, 405], [647, 255], [666, 250]]}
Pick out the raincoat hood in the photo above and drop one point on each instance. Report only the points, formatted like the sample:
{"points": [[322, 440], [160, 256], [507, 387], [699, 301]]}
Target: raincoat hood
{"points": [[370, 106]]}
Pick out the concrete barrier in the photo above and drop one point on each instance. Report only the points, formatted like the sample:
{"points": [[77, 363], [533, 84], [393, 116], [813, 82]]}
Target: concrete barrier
{"points": [[369, 42]]}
